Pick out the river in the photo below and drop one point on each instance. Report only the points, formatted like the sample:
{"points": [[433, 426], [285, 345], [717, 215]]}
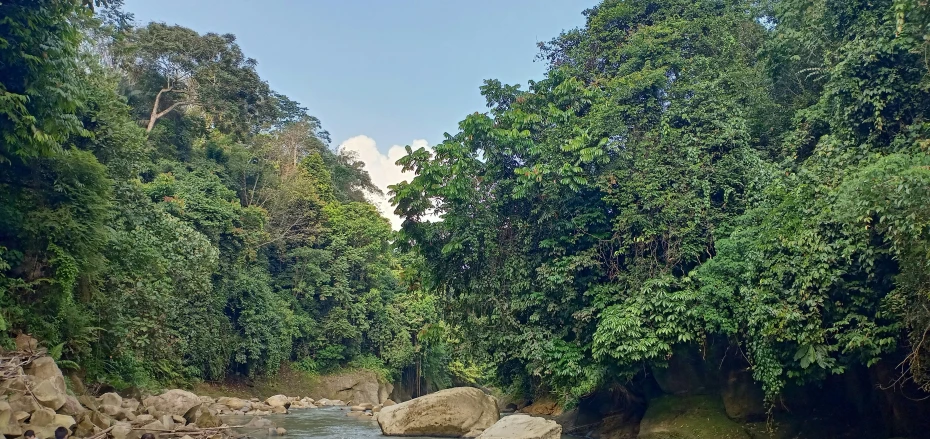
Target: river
{"points": [[320, 423]]}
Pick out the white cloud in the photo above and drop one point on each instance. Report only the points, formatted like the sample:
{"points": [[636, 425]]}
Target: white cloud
{"points": [[382, 168]]}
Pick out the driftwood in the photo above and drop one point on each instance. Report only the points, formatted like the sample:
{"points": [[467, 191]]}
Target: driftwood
{"points": [[12, 362], [101, 435], [199, 432]]}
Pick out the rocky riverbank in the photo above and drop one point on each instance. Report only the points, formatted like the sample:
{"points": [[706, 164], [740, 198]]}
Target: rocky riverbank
{"points": [[34, 396]]}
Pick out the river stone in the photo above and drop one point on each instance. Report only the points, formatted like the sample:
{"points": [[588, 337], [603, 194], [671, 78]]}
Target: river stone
{"points": [[280, 431], [85, 427], [232, 403], [144, 419], [279, 410], [101, 420], [257, 422], [154, 426], [523, 427], [688, 417], [174, 402], [206, 419], [278, 401], [545, 407], [459, 411], [207, 400], [357, 408], [178, 419]]}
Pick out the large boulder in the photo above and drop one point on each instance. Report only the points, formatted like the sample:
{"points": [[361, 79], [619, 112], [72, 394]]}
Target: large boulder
{"points": [[23, 402], [355, 387], [173, 402], [111, 399], [43, 368], [52, 392], [523, 427], [278, 401], [232, 403], [456, 412], [688, 417]]}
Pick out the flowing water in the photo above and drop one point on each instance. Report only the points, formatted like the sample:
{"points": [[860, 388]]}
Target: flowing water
{"points": [[320, 423]]}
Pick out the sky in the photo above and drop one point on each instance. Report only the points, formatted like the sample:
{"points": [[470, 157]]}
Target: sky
{"points": [[381, 74]]}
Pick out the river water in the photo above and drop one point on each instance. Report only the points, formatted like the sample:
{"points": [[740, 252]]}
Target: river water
{"points": [[320, 423]]}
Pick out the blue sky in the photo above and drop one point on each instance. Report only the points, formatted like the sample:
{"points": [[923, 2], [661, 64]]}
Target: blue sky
{"points": [[381, 73]]}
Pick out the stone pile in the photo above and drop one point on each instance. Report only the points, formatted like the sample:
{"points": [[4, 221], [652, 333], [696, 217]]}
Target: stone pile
{"points": [[34, 396]]}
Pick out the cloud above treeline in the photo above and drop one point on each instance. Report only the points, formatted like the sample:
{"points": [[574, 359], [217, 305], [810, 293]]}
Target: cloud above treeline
{"points": [[383, 169]]}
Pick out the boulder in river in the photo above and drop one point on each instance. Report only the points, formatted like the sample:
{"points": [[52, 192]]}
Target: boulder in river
{"points": [[456, 412], [278, 401], [174, 402], [523, 427]]}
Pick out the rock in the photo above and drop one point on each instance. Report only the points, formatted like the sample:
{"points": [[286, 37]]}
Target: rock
{"points": [[77, 384], [356, 387], [545, 407], [154, 427], [178, 419], [387, 403], [186, 437], [6, 413], [44, 368], [278, 401], [523, 427], [12, 430], [279, 410], [89, 402], [26, 343], [219, 408], [357, 408], [121, 430], [168, 422], [71, 407], [232, 403], [111, 399], [280, 431], [355, 414], [85, 427], [510, 408], [131, 404], [101, 420], [144, 419], [174, 402], [688, 417], [253, 399], [207, 400], [42, 417], [51, 392], [64, 421], [687, 373], [22, 402], [20, 417], [206, 419], [376, 408], [459, 411], [743, 398], [113, 411]]}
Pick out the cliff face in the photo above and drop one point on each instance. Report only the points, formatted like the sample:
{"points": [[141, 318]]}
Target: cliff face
{"points": [[709, 392]]}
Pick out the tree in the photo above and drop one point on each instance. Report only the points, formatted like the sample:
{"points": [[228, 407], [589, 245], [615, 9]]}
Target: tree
{"points": [[179, 68]]}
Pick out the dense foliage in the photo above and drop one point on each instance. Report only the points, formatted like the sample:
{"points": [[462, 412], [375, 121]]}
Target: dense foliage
{"points": [[166, 216], [686, 170]]}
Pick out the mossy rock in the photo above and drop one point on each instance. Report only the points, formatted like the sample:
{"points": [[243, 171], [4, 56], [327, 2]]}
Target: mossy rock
{"points": [[689, 417]]}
